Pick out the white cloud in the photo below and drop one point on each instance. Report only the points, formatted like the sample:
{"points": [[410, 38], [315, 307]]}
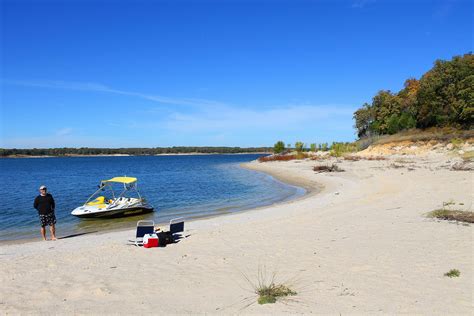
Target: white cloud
{"points": [[98, 87], [203, 122], [281, 118]]}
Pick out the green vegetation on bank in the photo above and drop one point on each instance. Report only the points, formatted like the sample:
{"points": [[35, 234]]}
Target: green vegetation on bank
{"points": [[444, 96], [128, 151], [336, 149]]}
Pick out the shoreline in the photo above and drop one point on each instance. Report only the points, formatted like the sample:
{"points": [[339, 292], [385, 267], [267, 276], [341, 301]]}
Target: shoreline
{"points": [[362, 245], [310, 190], [129, 155]]}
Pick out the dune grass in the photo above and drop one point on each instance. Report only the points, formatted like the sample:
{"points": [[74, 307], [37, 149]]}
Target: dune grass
{"points": [[468, 156], [453, 273], [267, 289], [268, 294], [452, 215], [446, 134]]}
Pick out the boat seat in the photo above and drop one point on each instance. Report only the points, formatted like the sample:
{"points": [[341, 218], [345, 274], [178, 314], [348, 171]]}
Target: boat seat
{"points": [[97, 201]]}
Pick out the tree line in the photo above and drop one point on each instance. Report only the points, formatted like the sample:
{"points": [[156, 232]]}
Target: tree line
{"points": [[129, 151], [444, 96], [299, 147]]}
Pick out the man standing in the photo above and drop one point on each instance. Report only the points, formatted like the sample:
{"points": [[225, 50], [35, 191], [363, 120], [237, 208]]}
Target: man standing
{"points": [[44, 203]]}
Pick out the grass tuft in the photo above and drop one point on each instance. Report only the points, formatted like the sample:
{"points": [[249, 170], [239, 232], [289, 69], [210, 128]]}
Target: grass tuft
{"points": [[340, 149], [453, 215], [267, 289], [468, 156], [268, 294], [453, 273]]}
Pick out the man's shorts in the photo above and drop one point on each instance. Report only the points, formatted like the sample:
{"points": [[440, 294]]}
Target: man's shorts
{"points": [[47, 219]]}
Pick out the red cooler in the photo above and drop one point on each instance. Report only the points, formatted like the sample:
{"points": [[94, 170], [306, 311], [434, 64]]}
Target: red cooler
{"points": [[150, 240]]}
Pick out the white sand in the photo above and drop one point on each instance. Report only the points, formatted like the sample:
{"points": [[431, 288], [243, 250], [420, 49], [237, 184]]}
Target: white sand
{"points": [[361, 245]]}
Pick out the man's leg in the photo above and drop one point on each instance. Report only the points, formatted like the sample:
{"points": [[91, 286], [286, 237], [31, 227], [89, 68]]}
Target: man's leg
{"points": [[43, 232], [52, 228]]}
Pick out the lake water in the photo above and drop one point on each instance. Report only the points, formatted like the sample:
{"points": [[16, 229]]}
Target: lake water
{"points": [[191, 186]]}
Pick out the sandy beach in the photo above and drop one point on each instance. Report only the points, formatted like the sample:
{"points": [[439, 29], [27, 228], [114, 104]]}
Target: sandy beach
{"points": [[358, 243]]}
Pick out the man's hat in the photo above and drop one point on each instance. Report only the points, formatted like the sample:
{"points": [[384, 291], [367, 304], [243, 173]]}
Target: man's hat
{"points": [[42, 187]]}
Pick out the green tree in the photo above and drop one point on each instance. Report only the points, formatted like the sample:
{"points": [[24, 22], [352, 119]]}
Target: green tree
{"points": [[299, 146], [313, 147], [406, 121], [393, 125], [446, 94], [363, 119], [279, 147]]}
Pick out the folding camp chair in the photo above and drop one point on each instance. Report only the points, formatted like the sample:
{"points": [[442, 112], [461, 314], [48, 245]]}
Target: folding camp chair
{"points": [[176, 226], [143, 227]]}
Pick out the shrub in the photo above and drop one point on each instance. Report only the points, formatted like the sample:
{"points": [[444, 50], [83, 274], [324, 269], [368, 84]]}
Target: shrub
{"points": [[279, 147], [338, 149], [298, 156], [457, 143], [299, 146], [406, 121], [393, 125], [453, 273]]}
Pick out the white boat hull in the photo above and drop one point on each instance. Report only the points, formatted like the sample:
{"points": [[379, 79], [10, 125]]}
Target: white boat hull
{"points": [[118, 209]]}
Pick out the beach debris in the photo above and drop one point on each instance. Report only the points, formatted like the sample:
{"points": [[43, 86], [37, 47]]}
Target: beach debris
{"points": [[396, 166], [462, 166], [357, 158], [327, 168]]}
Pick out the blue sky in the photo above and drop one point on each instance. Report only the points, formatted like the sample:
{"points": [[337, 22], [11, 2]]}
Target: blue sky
{"points": [[210, 73]]}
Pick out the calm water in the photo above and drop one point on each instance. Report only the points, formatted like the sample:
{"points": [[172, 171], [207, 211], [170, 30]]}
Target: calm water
{"points": [[189, 186]]}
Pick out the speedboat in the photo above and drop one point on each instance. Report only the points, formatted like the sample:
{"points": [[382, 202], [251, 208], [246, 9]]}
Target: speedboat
{"points": [[105, 203]]}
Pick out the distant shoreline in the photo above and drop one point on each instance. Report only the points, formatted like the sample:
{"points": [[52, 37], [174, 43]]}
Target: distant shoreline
{"points": [[128, 155]]}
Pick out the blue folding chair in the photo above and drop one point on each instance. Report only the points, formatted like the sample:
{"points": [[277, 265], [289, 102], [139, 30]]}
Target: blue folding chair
{"points": [[176, 226], [143, 227]]}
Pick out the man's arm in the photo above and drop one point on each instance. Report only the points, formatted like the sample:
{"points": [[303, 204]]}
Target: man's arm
{"points": [[35, 203], [53, 204]]}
